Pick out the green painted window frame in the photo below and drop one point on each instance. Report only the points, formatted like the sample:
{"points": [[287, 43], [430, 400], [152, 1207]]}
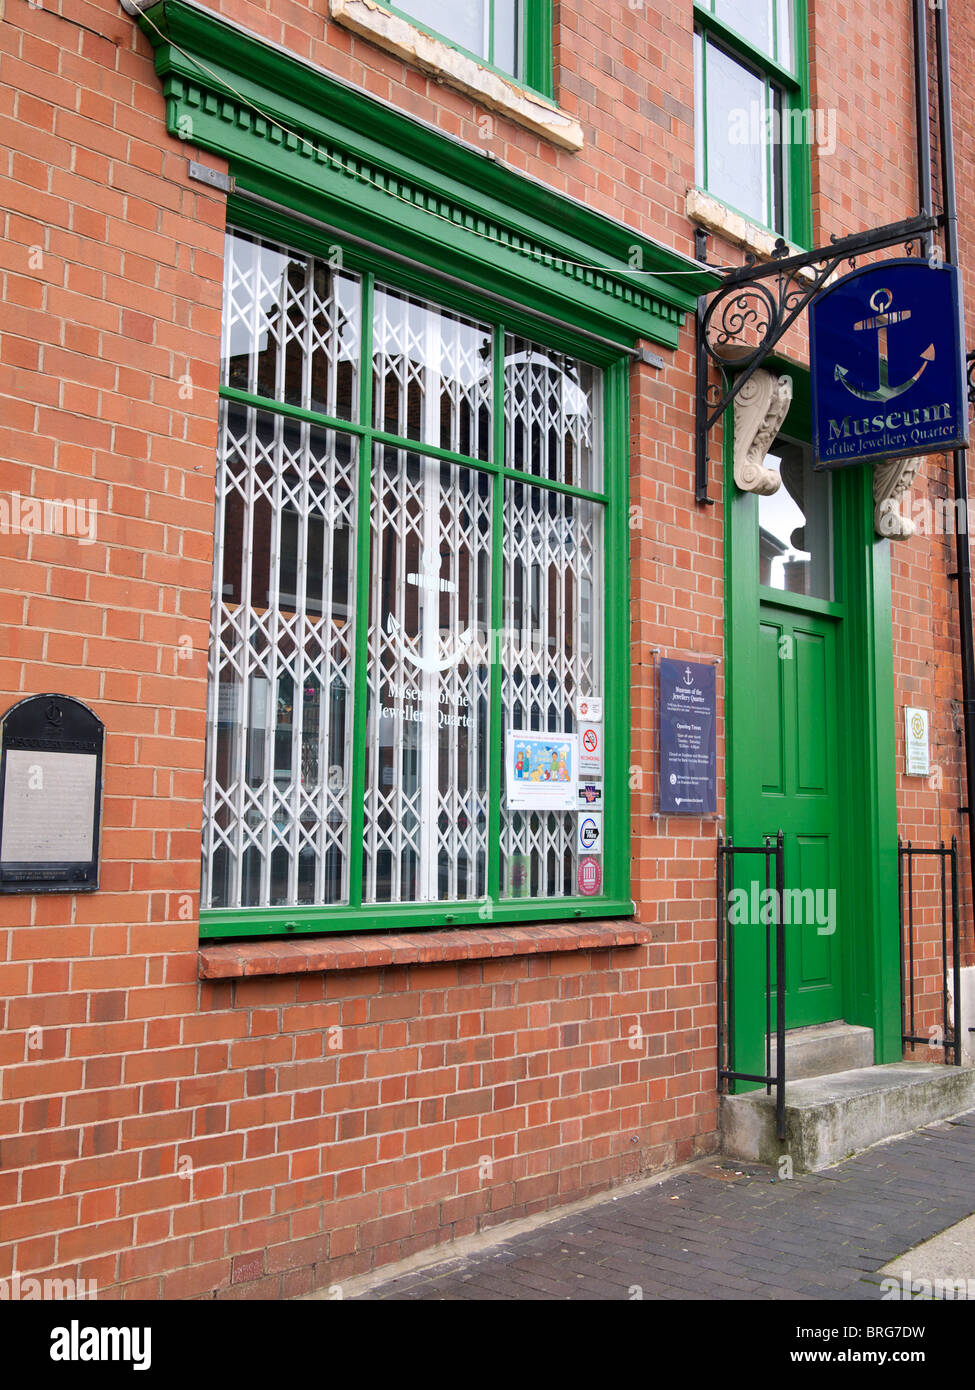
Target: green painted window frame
{"points": [[534, 43], [615, 899], [795, 86]]}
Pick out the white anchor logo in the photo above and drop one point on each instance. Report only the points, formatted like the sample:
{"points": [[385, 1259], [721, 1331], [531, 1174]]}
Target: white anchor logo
{"points": [[881, 302], [429, 579]]}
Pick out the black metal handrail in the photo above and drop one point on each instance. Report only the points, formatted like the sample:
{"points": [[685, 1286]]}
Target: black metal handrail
{"points": [[949, 854], [727, 850]]}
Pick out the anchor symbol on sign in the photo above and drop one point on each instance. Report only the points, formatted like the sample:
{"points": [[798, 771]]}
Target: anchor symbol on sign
{"points": [[688, 678], [881, 302]]}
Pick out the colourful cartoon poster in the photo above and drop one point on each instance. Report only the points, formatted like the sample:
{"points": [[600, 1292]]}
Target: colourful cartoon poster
{"points": [[542, 771]]}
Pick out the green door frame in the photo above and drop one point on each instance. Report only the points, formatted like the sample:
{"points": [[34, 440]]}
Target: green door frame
{"points": [[868, 866]]}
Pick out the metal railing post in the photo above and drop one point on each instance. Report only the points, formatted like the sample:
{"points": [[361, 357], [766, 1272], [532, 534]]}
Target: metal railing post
{"points": [[910, 932], [721, 932], [944, 948], [955, 951], [730, 990], [900, 934], [773, 906], [950, 1013], [767, 914], [779, 989]]}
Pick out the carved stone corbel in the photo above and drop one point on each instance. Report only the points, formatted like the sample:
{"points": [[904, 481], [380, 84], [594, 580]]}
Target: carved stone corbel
{"points": [[760, 410], [890, 482]]}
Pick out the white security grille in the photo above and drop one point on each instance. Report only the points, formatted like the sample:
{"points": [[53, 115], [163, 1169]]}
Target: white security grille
{"points": [[553, 641], [276, 827], [432, 375], [430, 602], [283, 735], [551, 657], [551, 414], [291, 327]]}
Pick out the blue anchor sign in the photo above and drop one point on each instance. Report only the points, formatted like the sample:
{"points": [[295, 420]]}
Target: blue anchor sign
{"points": [[882, 300], [888, 365]]}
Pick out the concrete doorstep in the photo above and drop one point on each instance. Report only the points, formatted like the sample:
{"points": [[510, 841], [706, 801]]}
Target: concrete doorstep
{"points": [[829, 1118]]}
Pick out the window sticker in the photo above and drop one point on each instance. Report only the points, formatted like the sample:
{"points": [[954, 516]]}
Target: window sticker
{"points": [[541, 771], [591, 832]]}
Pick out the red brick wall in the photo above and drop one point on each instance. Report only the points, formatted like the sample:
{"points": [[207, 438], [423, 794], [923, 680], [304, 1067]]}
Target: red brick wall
{"points": [[309, 1165]]}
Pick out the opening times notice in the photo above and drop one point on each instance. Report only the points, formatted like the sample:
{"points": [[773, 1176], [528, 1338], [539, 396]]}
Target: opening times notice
{"points": [[688, 749]]}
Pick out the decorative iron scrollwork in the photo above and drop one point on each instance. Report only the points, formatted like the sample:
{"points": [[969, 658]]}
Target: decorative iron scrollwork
{"points": [[730, 317]]}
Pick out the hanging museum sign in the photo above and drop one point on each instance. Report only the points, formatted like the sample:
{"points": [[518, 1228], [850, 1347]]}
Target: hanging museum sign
{"points": [[888, 365], [50, 796], [688, 748]]}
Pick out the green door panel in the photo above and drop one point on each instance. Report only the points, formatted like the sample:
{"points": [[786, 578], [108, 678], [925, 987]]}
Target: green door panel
{"points": [[810, 746], [772, 743], [815, 672], [795, 788]]}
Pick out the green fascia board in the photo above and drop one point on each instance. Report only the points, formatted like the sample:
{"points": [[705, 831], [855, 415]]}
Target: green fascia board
{"points": [[376, 172]]}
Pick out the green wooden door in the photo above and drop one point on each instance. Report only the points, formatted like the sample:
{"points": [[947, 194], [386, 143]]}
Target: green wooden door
{"points": [[810, 742], [789, 755], [796, 789]]}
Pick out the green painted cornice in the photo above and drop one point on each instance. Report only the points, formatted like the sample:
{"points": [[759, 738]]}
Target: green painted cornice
{"points": [[372, 171]]}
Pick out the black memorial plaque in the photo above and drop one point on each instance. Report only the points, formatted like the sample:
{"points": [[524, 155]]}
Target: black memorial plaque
{"points": [[688, 750], [50, 796]]}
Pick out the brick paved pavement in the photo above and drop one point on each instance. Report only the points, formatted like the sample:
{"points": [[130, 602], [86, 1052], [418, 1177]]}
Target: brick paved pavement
{"points": [[726, 1230]]}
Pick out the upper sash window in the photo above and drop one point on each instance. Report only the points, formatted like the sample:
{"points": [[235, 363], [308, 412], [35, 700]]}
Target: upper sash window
{"points": [[753, 131], [513, 36]]}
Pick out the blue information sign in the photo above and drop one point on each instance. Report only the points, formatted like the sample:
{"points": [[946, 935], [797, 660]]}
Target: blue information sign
{"points": [[888, 365], [687, 739]]}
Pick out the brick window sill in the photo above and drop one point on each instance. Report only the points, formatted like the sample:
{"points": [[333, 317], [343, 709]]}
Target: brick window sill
{"points": [[442, 61], [372, 951]]}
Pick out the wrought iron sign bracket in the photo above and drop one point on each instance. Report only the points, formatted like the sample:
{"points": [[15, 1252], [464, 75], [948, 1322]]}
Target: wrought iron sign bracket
{"points": [[745, 302], [970, 361]]}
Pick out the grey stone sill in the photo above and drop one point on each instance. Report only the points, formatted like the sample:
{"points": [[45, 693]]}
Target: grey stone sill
{"points": [[710, 212], [413, 45]]}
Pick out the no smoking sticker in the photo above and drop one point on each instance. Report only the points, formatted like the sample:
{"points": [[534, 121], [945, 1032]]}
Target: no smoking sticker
{"points": [[591, 748]]}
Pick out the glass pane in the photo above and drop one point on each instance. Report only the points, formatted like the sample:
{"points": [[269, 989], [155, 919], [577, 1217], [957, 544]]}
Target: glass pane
{"points": [[777, 159], [552, 415], [279, 760], [290, 327], [464, 22], [552, 657], [751, 18], [795, 532], [428, 681], [432, 375], [700, 172], [737, 146], [507, 33], [784, 38]]}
